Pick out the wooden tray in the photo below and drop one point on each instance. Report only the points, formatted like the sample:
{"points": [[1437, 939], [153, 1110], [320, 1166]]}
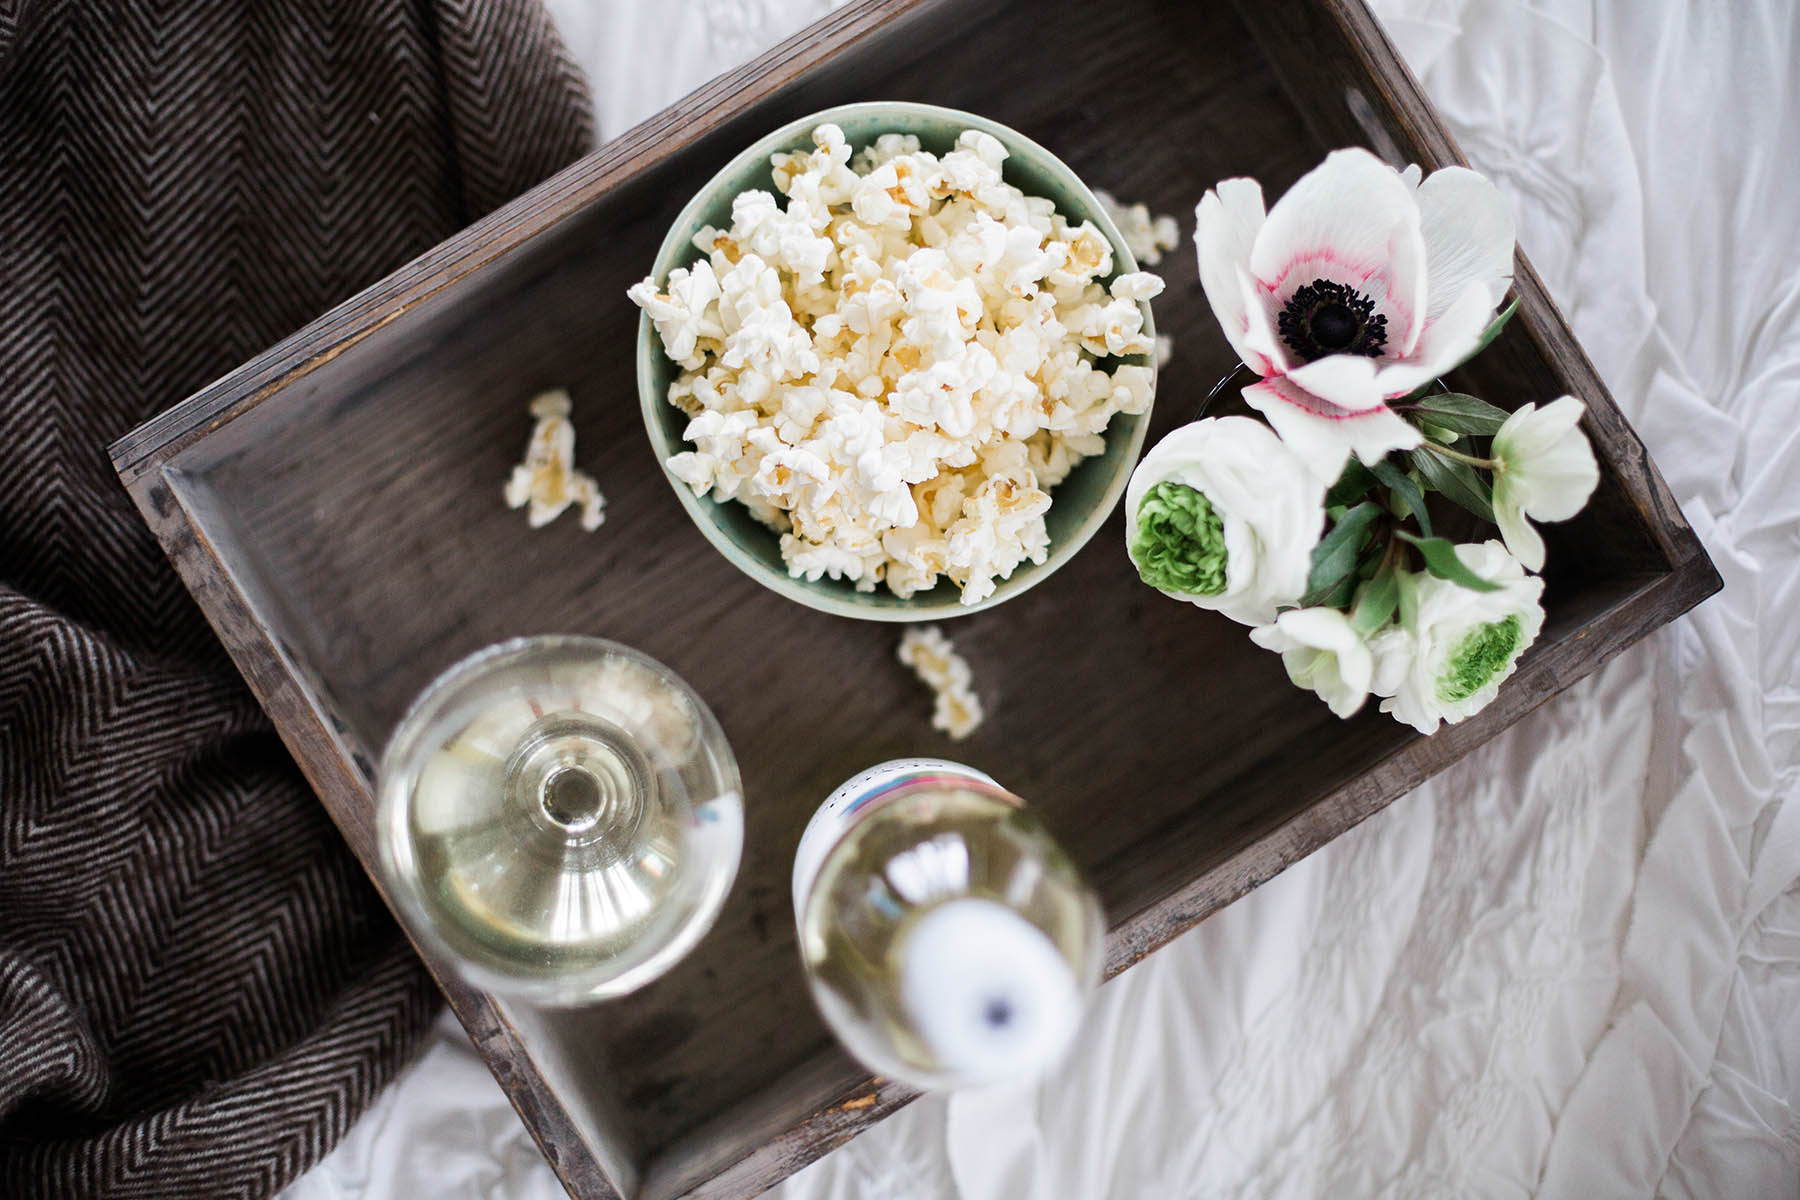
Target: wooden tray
{"points": [[335, 507]]}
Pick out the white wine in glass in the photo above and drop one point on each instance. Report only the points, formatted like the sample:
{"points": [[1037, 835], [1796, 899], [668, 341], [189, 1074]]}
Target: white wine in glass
{"points": [[560, 817]]}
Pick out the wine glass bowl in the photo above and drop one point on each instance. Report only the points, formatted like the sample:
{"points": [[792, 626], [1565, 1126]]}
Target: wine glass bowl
{"points": [[560, 818]]}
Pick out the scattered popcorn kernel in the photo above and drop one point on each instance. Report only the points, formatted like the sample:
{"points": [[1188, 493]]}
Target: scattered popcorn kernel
{"points": [[547, 480], [1147, 237], [928, 652], [892, 361]]}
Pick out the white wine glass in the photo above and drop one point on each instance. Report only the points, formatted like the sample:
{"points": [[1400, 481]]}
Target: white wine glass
{"points": [[560, 817]]}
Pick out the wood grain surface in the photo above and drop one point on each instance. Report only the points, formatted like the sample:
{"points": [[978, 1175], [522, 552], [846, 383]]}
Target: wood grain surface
{"points": [[335, 505]]}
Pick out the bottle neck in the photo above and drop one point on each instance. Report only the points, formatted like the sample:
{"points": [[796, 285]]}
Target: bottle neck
{"points": [[860, 796]]}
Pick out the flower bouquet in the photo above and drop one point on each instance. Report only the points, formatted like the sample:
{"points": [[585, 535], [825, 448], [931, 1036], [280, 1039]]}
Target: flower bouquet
{"points": [[1349, 300]]}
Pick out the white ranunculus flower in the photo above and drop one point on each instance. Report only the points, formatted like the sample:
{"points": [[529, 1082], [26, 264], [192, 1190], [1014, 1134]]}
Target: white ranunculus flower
{"points": [[1220, 513], [1361, 285], [1544, 470], [1455, 646], [1322, 653]]}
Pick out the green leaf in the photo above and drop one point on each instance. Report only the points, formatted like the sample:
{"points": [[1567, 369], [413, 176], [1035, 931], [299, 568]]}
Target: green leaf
{"points": [[1334, 559], [1457, 481], [1457, 413], [1376, 601], [1350, 487], [1493, 330], [1441, 560], [1336, 596], [1401, 484]]}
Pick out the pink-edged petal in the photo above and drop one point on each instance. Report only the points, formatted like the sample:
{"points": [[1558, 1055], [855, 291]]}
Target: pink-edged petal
{"points": [[1267, 353], [1226, 223], [1323, 437], [1446, 343], [1342, 380], [1352, 210], [1468, 231]]}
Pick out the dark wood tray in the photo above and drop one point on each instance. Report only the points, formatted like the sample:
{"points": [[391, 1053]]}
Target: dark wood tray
{"points": [[335, 506]]}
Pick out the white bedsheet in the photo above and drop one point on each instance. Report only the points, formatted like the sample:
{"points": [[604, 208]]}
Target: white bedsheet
{"points": [[1569, 966]]}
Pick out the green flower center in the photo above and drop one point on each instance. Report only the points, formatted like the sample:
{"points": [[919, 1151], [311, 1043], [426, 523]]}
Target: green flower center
{"points": [[1179, 545], [1484, 653]]}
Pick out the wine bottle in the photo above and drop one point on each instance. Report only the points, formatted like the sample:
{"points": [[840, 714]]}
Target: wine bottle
{"points": [[948, 940]]}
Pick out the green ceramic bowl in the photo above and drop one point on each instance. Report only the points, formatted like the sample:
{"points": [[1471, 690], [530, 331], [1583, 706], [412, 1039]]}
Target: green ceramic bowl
{"points": [[1079, 505]]}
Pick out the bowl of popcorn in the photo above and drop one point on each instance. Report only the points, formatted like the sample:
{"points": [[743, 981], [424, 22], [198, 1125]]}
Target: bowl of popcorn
{"points": [[897, 361]]}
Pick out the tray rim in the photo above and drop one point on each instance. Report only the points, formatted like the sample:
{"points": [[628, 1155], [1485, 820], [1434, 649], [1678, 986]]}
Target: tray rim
{"points": [[147, 460]]}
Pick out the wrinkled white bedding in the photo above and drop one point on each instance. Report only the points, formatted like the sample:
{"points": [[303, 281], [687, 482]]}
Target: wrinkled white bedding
{"points": [[1569, 966]]}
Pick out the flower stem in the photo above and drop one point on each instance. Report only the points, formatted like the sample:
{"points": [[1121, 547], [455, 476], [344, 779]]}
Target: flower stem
{"points": [[1486, 464], [1393, 554]]}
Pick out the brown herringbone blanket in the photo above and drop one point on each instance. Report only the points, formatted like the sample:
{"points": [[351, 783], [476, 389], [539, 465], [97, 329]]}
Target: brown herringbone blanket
{"points": [[198, 988]]}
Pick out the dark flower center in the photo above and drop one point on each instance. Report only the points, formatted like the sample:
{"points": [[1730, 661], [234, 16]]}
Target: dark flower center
{"points": [[1331, 318]]}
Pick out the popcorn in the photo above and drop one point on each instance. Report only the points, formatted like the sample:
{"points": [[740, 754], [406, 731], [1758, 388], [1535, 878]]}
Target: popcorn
{"points": [[822, 177], [887, 146], [1134, 388], [1148, 238], [547, 479], [1145, 236], [860, 563], [894, 364], [1137, 285], [682, 316], [787, 476], [929, 653], [1088, 254]]}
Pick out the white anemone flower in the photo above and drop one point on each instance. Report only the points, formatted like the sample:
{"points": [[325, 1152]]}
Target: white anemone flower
{"points": [[1360, 286], [1322, 653], [1455, 646], [1543, 469], [1221, 514]]}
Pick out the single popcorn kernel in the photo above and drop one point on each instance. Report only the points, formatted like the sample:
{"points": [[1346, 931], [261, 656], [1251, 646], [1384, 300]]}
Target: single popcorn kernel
{"points": [[891, 362], [547, 479], [956, 710]]}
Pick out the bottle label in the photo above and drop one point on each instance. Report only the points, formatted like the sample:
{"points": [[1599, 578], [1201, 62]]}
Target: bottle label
{"points": [[859, 796]]}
